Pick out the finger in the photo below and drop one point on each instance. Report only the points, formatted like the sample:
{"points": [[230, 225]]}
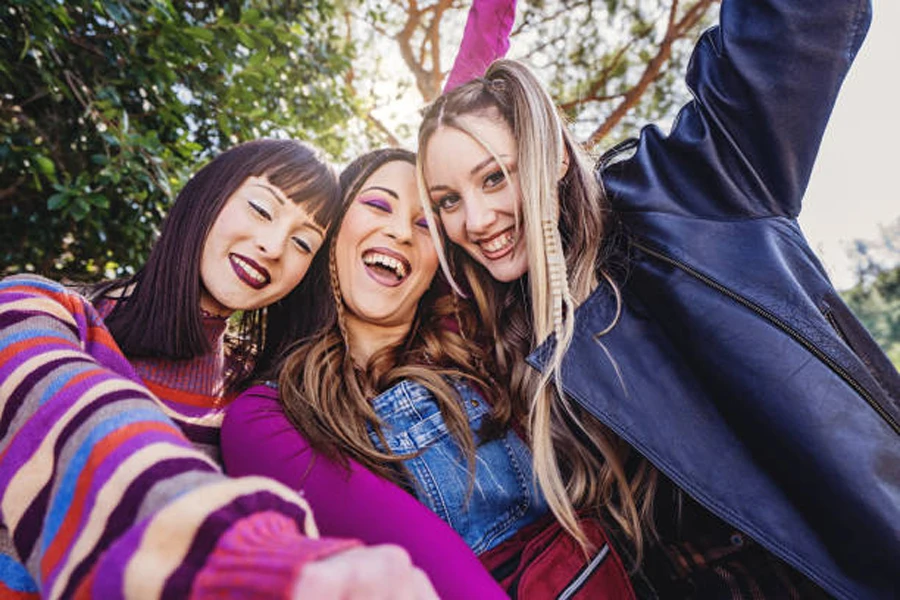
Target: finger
{"points": [[422, 586]]}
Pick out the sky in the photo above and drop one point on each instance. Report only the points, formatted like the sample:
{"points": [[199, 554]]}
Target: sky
{"points": [[855, 187]]}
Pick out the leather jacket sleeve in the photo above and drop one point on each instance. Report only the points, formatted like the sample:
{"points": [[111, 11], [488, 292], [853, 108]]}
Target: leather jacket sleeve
{"points": [[764, 83]]}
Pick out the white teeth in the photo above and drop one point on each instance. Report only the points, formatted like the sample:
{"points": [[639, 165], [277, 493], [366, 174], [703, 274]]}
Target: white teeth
{"points": [[498, 243], [250, 269], [389, 262]]}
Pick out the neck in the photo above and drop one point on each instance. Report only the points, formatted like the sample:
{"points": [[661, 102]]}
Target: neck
{"points": [[366, 338], [210, 307]]}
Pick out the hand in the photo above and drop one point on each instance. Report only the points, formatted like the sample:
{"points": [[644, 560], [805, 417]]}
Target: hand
{"points": [[371, 573]]}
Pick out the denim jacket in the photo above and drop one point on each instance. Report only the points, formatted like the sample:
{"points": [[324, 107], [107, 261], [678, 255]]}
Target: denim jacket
{"points": [[735, 368], [486, 510]]}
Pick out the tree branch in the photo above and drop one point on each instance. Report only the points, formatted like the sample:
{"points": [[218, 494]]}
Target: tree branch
{"points": [[404, 41], [433, 39], [392, 139], [674, 31], [599, 82], [13, 189]]}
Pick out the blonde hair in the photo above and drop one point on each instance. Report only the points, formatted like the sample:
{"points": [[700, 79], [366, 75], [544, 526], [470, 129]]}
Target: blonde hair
{"points": [[327, 396], [563, 222]]}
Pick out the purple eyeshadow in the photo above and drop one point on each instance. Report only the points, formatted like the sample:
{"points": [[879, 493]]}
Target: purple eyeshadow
{"points": [[376, 202]]}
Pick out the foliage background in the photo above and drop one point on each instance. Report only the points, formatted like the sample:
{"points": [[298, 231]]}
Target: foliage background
{"points": [[109, 106]]}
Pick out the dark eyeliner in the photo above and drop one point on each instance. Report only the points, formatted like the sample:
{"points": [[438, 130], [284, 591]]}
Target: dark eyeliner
{"points": [[260, 210]]}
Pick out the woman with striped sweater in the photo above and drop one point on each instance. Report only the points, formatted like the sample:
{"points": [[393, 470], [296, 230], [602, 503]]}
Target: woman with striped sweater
{"points": [[102, 493]]}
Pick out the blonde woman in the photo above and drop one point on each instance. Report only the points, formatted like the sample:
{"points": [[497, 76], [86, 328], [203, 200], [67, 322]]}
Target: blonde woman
{"points": [[706, 391]]}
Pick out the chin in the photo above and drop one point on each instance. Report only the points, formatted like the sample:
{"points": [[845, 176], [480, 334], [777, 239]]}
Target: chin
{"points": [[507, 273]]}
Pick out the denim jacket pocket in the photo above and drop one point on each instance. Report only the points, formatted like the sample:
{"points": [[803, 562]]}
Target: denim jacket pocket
{"points": [[485, 509]]}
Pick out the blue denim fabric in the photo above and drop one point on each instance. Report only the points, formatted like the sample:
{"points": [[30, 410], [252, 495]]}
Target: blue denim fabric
{"points": [[502, 498]]}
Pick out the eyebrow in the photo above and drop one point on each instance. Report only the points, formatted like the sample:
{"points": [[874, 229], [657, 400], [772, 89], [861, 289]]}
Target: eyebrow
{"points": [[310, 224], [314, 227], [473, 171], [482, 164], [272, 190], [387, 191]]}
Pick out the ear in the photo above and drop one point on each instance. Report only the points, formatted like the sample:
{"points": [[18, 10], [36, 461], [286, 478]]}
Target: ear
{"points": [[564, 166]]}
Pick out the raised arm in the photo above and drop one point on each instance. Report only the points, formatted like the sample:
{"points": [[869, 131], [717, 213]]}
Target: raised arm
{"points": [[258, 439], [485, 39], [764, 83], [100, 493]]}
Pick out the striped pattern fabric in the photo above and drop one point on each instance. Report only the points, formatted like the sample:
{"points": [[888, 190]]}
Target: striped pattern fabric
{"points": [[101, 494], [190, 392]]}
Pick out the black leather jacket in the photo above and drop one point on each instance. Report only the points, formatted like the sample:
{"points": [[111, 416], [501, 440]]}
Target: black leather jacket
{"points": [[735, 368]]}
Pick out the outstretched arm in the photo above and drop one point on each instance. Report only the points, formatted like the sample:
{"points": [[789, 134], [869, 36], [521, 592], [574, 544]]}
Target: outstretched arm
{"points": [[258, 439], [485, 39], [764, 83], [100, 493]]}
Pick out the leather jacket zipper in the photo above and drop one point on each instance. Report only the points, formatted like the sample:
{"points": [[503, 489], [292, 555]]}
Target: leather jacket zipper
{"points": [[784, 327]]}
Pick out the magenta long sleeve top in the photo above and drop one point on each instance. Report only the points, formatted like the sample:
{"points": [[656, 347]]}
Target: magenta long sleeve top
{"points": [[485, 39], [258, 439]]}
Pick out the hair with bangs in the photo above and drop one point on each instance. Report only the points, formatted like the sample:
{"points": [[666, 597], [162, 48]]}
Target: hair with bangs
{"points": [[326, 396], [157, 312], [578, 462]]}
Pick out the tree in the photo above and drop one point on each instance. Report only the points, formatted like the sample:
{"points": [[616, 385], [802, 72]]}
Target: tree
{"points": [[612, 66], [108, 106], [875, 300], [615, 66]]}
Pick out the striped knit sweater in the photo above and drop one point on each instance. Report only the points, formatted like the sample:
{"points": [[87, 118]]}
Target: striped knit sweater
{"points": [[101, 494], [190, 391]]}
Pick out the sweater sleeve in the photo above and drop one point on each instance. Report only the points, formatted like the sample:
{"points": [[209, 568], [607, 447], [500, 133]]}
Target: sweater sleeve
{"points": [[101, 495], [485, 39], [258, 439]]}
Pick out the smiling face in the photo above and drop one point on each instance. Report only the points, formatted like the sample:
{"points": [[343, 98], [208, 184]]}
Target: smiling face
{"points": [[384, 255], [477, 204], [257, 250]]}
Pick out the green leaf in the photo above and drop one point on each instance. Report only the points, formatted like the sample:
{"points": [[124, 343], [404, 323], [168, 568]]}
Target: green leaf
{"points": [[80, 208], [57, 201], [45, 165], [99, 201], [251, 17], [244, 38], [201, 34]]}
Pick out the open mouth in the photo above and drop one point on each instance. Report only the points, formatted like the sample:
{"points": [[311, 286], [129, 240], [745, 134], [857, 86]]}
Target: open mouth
{"points": [[386, 267], [499, 245], [249, 271]]}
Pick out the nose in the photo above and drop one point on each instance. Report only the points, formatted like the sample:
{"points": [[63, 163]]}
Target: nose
{"points": [[399, 228], [479, 215], [271, 243]]}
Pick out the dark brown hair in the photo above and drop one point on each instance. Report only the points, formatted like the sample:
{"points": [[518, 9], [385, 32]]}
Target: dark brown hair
{"points": [[157, 313]]}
